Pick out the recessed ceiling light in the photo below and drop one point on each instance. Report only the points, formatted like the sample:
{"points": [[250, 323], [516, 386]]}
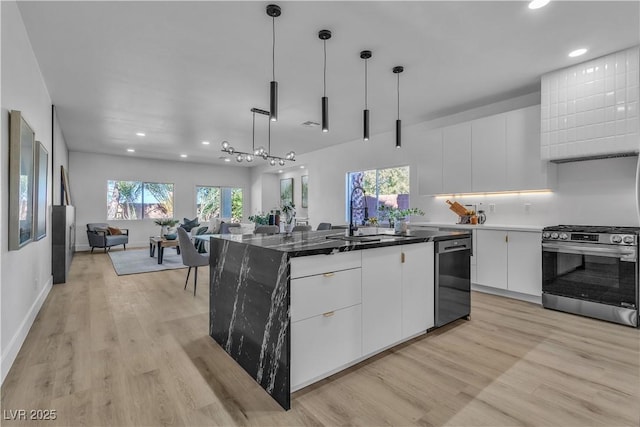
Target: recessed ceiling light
{"points": [[302, 167], [205, 143], [183, 155], [280, 171], [131, 150], [577, 52], [537, 4], [226, 159], [141, 134]]}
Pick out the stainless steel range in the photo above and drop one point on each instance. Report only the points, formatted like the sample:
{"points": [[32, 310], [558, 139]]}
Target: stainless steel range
{"points": [[592, 271]]}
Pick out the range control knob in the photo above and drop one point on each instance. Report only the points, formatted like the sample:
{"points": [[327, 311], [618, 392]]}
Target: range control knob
{"points": [[546, 235], [564, 236], [554, 235], [628, 239], [616, 238]]}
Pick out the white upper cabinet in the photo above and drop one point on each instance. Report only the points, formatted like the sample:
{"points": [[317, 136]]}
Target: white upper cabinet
{"points": [[525, 169], [430, 161], [456, 158], [489, 153]]}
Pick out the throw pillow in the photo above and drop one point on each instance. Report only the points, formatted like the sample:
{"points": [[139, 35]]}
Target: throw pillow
{"points": [[201, 230], [101, 230], [188, 224], [214, 225], [114, 231]]}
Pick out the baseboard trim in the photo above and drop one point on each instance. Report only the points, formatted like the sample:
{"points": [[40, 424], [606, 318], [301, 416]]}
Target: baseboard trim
{"points": [[505, 293], [11, 352]]}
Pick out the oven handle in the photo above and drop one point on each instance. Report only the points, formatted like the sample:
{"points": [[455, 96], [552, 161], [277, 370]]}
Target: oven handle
{"points": [[628, 255]]}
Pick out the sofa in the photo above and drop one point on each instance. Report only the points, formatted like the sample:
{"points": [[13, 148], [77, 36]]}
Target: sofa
{"points": [[101, 235]]}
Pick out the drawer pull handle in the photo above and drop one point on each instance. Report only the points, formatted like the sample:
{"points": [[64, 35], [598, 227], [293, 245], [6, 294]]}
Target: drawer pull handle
{"points": [[402, 258], [328, 314], [328, 274]]}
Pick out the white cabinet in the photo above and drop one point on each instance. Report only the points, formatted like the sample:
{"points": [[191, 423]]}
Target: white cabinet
{"points": [[418, 313], [381, 297], [489, 153], [491, 258], [430, 163], [324, 343], [397, 294], [525, 169], [510, 260], [456, 158], [524, 274]]}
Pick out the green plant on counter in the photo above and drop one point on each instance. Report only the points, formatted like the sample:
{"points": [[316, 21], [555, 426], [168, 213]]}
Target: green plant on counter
{"points": [[166, 222], [395, 214], [260, 218]]}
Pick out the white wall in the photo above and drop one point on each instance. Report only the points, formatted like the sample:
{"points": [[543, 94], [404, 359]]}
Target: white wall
{"points": [[25, 274], [89, 173], [600, 192]]}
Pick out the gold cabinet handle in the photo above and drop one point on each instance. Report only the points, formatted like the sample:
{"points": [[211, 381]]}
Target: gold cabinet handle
{"points": [[328, 274], [402, 257], [506, 238], [328, 314]]}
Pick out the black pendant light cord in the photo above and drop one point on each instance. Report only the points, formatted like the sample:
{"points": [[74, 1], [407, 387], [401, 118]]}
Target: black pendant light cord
{"points": [[273, 48], [253, 137], [398, 74], [365, 85], [324, 84]]}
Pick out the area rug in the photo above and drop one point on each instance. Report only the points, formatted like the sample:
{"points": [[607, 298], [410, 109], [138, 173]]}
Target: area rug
{"points": [[134, 261]]}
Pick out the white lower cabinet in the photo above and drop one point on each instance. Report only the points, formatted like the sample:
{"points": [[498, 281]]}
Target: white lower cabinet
{"points": [[417, 289], [323, 343], [510, 260]]}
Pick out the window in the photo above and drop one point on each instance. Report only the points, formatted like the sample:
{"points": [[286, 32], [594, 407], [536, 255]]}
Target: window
{"points": [[382, 186], [132, 200], [219, 202]]}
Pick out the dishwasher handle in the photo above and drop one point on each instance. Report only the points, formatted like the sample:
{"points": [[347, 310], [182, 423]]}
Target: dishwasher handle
{"points": [[453, 245]]}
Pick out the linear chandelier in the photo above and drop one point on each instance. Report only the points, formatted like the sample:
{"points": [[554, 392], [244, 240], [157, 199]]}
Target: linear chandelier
{"points": [[260, 151]]}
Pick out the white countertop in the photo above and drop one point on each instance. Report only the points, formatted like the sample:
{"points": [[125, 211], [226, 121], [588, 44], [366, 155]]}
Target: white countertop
{"points": [[485, 226]]}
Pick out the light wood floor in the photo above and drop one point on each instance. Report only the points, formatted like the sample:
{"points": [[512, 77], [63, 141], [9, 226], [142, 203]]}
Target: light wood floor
{"points": [[134, 350]]}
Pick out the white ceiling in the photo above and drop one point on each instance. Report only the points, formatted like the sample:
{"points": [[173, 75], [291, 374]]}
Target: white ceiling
{"points": [[184, 72]]}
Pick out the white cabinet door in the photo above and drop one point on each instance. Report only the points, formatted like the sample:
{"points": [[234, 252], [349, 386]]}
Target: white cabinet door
{"points": [[491, 258], [430, 163], [324, 343], [417, 289], [489, 153], [381, 297], [525, 168], [525, 262], [456, 158]]}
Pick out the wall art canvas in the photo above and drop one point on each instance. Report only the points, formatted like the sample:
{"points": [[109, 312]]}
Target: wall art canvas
{"points": [[305, 191], [286, 191], [40, 193], [21, 181]]}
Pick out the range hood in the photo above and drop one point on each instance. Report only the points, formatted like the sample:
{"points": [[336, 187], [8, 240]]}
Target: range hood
{"points": [[590, 110]]}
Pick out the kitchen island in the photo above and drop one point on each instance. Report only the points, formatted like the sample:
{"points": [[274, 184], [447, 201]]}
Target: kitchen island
{"points": [[292, 309]]}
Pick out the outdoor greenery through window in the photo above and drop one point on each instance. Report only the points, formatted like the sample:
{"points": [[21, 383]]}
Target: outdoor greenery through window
{"points": [[137, 200], [389, 187], [219, 202]]}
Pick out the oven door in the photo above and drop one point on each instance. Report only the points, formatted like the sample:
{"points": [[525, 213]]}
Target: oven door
{"points": [[605, 274]]}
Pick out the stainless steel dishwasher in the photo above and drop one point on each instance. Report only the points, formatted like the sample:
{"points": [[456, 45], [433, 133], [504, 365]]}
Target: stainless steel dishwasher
{"points": [[453, 280]]}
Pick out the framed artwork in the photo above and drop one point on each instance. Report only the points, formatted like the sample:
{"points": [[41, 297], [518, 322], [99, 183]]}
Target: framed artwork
{"points": [[40, 193], [286, 191], [305, 191], [21, 176], [64, 184]]}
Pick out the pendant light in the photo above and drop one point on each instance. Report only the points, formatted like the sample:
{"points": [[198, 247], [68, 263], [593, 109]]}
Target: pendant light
{"points": [[365, 54], [325, 35], [397, 70], [273, 10]]}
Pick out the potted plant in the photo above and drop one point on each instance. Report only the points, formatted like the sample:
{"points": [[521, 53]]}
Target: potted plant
{"points": [[164, 224], [289, 211], [260, 218], [397, 217]]}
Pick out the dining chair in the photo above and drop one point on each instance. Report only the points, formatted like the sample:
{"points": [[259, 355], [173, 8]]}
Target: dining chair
{"points": [[324, 226], [190, 257], [302, 228], [267, 229]]}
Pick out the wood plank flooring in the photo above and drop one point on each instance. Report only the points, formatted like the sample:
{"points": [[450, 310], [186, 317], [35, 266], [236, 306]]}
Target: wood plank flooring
{"points": [[134, 351]]}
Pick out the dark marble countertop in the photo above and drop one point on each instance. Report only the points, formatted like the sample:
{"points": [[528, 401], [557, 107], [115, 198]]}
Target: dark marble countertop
{"points": [[305, 243]]}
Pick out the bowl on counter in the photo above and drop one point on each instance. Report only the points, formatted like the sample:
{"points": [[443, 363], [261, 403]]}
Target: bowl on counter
{"points": [[171, 236]]}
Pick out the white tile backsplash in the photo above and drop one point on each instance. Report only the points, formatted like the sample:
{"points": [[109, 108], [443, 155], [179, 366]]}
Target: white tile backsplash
{"points": [[591, 108]]}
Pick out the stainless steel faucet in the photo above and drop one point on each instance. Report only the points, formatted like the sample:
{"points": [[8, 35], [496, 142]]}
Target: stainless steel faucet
{"points": [[364, 208]]}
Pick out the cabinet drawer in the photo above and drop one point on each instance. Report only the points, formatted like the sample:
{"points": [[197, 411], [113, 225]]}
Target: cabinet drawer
{"points": [[318, 264], [321, 344], [313, 295]]}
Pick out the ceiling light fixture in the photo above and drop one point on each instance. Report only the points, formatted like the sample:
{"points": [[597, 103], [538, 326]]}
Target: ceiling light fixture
{"points": [[577, 52], [537, 4], [365, 54], [226, 159], [325, 35], [205, 142], [140, 134], [131, 150], [260, 151], [273, 10], [397, 70], [184, 156]]}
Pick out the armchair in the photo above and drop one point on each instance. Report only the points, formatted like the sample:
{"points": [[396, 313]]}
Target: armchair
{"points": [[100, 237]]}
